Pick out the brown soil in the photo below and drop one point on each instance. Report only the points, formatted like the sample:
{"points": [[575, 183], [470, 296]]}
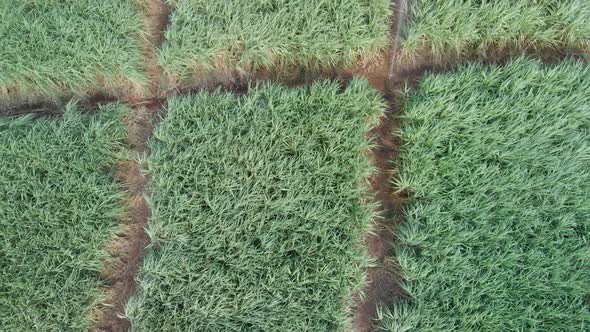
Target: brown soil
{"points": [[383, 280], [128, 249], [156, 20], [383, 286]]}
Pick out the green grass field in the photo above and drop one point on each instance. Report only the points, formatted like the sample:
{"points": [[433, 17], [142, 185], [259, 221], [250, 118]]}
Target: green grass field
{"points": [[62, 47], [496, 235], [208, 36], [258, 214], [59, 204], [458, 27]]}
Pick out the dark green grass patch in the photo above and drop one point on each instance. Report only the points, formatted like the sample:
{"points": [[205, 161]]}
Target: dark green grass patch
{"points": [[206, 36], [496, 235], [258, 211], [59, 204], [69, 46], [456, 27]]}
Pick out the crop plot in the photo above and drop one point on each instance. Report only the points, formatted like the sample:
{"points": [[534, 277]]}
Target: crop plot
{"points": [[209, 36], [78, 47], [496, 237], [59, 204], [449, 28], [293, 203], [258, 214]]}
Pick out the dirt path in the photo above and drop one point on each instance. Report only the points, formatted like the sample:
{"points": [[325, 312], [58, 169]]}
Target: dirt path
{"points": [[156, 20], [384, 279], [129, 248]]}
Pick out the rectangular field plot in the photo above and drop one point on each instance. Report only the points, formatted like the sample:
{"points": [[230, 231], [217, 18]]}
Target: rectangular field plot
{"points": [[259, 210], [208, 36], [496, 237], [455, 27], [69, 47], [59, 204]]}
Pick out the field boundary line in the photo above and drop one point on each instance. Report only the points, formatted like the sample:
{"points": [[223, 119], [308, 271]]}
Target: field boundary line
{"points": [[156, 18], [128, 248], [406, 71], [383, 285]]}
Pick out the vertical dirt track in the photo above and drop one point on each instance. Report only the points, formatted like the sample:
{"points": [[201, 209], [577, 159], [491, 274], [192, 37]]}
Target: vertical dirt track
{"points": [[156, 20], [129, 248], [384, 279]]}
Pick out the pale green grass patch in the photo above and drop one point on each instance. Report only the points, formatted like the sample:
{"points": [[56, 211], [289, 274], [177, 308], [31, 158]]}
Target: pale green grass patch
{"points": [[77, 47], [496, 235], [205, 36], [458, 27], [260, 206], [59, 204]]}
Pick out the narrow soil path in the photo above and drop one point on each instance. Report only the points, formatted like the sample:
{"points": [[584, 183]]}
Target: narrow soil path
{"points": [[156, 20], [128, 249], [384, 278]]}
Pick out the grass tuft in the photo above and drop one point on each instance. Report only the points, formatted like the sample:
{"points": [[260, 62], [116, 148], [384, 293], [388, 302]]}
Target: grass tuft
{"points": [[452, 28], [206, 36], [258, 214], [59, 204], [50, 47], [496, 236]]}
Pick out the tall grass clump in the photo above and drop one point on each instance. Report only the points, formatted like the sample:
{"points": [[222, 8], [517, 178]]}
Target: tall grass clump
{"points": [[76, 47], [208, 36], [59, 204], [453, 28], [497, 160], [260, 206]]}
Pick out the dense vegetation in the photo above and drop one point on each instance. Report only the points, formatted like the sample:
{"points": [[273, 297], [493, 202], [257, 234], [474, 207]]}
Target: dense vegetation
{"points": [[73, 46], [213, 35], [59, 204], [455, 27], [257, 208], [496, 236]]}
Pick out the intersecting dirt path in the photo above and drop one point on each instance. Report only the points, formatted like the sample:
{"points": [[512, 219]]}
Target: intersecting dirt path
{"points": [[128, 249], [389, 75], [383, 286]]}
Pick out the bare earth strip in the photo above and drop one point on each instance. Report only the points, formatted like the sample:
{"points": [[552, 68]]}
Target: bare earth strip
{"points": [[129, 249], [383, 279]]}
